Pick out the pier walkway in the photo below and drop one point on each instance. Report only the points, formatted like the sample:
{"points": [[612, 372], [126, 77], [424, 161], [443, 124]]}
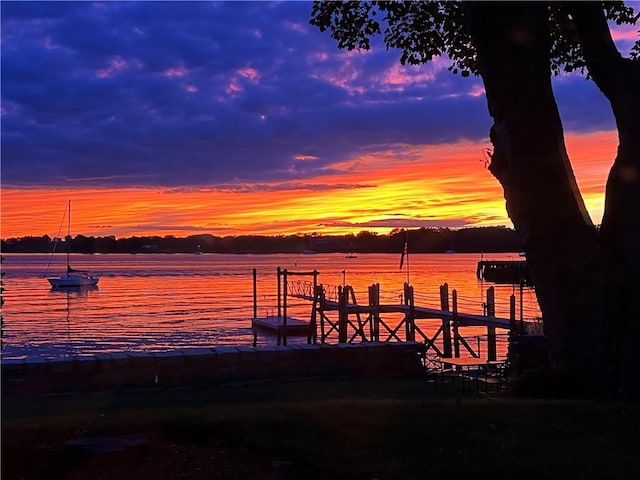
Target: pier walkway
{"points": [[335, 312]]}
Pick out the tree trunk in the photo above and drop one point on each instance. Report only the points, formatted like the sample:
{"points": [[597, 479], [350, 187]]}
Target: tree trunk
{"points": [[571, 273], [619, 79]]}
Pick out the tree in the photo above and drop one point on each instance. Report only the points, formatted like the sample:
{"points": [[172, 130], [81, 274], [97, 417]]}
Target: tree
{"points": [[586, 278]]}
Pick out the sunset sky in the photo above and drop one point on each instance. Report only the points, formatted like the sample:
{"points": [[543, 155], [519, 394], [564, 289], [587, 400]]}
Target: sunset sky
{"points": [[230, 118]]}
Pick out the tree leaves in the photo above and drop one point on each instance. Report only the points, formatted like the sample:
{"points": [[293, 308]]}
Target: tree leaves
{"points": [[427, 29]]}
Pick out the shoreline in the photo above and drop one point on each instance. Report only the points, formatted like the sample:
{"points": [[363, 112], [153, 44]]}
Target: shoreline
{"points": [[198, 366]]}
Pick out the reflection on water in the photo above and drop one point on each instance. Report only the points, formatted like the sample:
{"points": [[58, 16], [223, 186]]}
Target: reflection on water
{"points": [[73, 291], [157, 302]]}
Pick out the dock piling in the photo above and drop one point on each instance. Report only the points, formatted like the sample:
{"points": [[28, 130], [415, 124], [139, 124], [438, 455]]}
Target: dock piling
{"points": [[446, 328], [491, 331], [456, 333], [342, 315]]}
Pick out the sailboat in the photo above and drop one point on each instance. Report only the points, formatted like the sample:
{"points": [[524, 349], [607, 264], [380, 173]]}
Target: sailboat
{"points": [[72, 278]]}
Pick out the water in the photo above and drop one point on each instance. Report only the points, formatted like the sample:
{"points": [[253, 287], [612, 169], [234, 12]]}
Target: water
{"points": [[160, 302]]}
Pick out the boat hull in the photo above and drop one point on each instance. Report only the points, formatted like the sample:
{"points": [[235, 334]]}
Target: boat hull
{"points": [[510, 272], [67, 281]]}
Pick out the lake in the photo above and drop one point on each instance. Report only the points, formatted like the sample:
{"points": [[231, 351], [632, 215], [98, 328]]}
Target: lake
{"points": [[160, 302]]}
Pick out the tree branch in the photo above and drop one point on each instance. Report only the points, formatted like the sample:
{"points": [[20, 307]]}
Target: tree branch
{"points": [[598, 48]]}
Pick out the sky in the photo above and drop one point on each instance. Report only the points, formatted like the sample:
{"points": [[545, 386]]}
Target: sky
{"points": [[234, 118]]}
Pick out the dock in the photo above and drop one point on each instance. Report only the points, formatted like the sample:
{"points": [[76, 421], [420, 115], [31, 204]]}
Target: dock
{"points": [[277, 325], [337, 315]]}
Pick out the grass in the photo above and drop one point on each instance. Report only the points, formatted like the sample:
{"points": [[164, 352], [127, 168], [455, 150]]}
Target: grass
{"points": [[320, 429]]}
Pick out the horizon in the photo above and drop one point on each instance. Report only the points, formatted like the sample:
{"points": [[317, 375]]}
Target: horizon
{"points": [[240, 118], [301, 235]]}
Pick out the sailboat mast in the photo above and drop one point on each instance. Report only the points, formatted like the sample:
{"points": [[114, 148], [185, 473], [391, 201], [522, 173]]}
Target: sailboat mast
{"points": [[68, 234]]}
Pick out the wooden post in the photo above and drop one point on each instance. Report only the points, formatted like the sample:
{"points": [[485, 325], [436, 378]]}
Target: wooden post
{"points": [[412, 310], [405, 302], [456, 334], [314, 327], [512, 315], [372, 336], [312, 336], [376, 309], [255, 293], [446, 329], [313, 333], [491, 302], [284, 307], [374, 312], [491, 331], [255, 307], [411, 315], [342, 315], [321, 312], [521, 308], [279, 272], [315, 280]]}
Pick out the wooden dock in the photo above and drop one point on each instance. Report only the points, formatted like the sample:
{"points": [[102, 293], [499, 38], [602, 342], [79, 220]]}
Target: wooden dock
{"points": [[275, 324], [335, 312]]}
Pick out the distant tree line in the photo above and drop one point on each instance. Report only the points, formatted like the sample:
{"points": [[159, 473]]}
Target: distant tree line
{"points": [[423, 240]]}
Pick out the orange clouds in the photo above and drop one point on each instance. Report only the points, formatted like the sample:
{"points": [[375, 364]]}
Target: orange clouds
{"points": [[405, 185]]}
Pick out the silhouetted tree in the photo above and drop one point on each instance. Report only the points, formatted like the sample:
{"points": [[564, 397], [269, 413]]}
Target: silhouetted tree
{"points": [[587, 280]]}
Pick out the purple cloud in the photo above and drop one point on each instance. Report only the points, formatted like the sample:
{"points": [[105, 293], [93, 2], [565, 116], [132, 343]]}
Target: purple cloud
{"points": [[211, 93]]}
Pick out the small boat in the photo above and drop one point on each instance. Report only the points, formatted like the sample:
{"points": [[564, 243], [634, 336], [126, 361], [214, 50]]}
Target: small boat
{"points": [[351, 255], [72, 278], [511, 272]]}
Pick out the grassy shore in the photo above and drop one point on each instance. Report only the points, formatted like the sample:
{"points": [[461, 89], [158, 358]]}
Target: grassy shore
{"points": [[316, 429]]}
